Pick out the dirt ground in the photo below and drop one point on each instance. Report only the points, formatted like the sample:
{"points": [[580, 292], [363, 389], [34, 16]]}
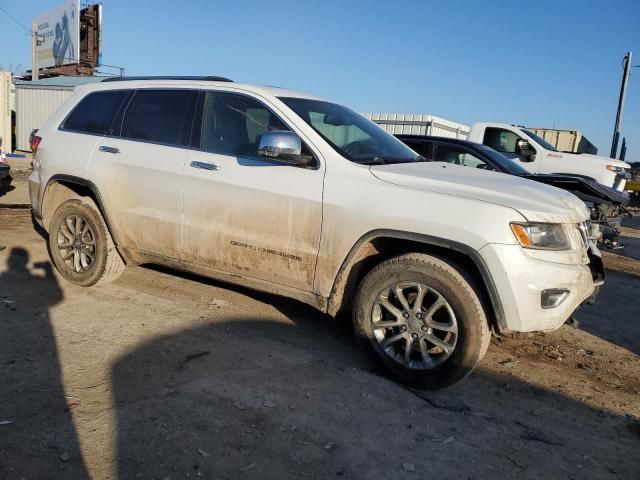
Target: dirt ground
{"points": [[166, 376]]}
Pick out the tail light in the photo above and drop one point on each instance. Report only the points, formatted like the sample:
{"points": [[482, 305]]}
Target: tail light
{"points": [[35, 141], [3, 159]]}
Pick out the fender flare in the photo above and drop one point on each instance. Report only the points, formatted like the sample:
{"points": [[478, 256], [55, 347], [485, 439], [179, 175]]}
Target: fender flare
{"points": [[63, 178], [430, 240]]}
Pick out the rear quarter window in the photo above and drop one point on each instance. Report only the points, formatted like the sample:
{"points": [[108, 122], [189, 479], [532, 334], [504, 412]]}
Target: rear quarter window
{"points": [[95, 112]]}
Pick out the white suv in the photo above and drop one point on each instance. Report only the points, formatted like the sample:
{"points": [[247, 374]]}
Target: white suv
{"points": [[290, 194]]}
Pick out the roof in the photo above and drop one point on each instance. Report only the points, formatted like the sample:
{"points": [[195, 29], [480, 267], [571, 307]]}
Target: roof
{"points": [[62, 81], [198, 83]]}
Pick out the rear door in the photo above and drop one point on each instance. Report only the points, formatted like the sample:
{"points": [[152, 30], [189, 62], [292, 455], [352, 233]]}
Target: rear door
{"points": [[242, 213], [138, 170]]}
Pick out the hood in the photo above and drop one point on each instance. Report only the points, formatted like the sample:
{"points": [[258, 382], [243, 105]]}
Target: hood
{"points": [[594, 159], [586, 189], [536, 201]]}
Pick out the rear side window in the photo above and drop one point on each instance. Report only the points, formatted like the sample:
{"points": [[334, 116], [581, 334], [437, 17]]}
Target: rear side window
{"points": [[500, 139], [95, 112], [423, 148], [159, 116], [459, 156]]}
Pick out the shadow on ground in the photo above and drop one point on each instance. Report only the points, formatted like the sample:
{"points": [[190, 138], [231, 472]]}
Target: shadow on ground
{"points": [[614, 315], [254, 399], [5, 187], [32, 397]]}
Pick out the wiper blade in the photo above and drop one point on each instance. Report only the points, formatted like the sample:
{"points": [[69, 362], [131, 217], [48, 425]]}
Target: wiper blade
{"points": [[372, 161]]}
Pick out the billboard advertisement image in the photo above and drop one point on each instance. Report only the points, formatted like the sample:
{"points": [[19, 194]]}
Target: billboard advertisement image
{"points": [[60, 30]]}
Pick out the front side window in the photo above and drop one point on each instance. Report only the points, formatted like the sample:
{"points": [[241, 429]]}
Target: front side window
{"points": [[232, 124], [423, 148], [159, 116], [95, 112], [353, 136], [501, 140], [459, 156], [541, 141]]}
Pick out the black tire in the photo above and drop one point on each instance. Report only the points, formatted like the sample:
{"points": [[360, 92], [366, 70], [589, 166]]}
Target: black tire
{"points": [[471, 338], [106, 264]]}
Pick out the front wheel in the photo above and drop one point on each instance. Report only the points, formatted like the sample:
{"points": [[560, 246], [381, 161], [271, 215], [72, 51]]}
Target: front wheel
{"points": [[422, 320]]}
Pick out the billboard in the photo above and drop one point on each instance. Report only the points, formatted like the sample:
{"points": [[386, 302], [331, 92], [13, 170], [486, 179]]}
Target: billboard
{"points": [[59, 29]]}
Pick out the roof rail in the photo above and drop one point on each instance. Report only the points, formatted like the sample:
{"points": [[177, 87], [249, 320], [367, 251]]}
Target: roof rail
{"points": [[169, 77]]}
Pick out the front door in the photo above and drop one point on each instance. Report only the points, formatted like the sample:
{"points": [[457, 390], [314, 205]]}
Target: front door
{"points": [[506, 142], [242, 213]]}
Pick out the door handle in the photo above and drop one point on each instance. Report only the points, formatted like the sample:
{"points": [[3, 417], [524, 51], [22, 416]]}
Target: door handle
{"points": [[204, 165], [107, 149]]}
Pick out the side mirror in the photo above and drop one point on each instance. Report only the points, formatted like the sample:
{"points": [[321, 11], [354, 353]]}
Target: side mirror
{"points": [[524, 148], [285, 147]]}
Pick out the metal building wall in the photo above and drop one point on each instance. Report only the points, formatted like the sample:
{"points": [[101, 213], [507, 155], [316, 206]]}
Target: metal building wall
{"points": [[5, 110], [34, 105], [418, 124]]}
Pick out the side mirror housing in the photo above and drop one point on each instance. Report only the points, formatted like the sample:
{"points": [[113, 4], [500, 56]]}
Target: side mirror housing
{"points": [[524, 148], [285, 147]]}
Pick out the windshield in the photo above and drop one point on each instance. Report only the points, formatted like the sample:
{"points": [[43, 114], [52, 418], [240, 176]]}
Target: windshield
{"points": [[350, 134], [506, 164], [546, 145]]}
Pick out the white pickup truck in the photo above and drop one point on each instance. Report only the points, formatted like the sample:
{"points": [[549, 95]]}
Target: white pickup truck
{"points": [[538, 156]]}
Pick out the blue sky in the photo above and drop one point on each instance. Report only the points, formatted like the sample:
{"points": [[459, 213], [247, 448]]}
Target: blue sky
{"points": [[542, 64]]}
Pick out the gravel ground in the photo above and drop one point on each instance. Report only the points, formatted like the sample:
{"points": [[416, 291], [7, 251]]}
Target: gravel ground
{"points": [[165, 376]]}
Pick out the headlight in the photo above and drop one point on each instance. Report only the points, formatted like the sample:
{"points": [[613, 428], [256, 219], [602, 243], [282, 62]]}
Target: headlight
{"points": [[542, 236], [613, 168]]}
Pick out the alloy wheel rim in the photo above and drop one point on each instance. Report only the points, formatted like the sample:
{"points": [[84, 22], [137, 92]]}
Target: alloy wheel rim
{"points": [[76, 243], [414, 325]]}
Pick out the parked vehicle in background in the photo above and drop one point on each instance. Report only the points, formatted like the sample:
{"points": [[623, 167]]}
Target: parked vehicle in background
{"points": [[633, 185], [606, 205], [538, 156], [283, 192], [5, 169], [570, 141]]}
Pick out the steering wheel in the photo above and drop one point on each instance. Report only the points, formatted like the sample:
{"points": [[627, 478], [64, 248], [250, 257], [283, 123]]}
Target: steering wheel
{"points": [[353, 148]]}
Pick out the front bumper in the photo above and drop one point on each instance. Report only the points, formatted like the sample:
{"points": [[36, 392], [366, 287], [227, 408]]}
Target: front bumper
{"points": [[520, 280]]}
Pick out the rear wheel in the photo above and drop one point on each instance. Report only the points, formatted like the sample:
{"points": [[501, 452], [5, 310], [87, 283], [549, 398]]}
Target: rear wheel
{"points": [[81, 246], [422, 320]]}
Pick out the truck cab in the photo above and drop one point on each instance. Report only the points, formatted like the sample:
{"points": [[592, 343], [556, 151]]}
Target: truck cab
{"points": [[538, 156]]}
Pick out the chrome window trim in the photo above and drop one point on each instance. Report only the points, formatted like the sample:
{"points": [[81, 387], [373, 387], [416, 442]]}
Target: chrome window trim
{"points": [[256, 98]]}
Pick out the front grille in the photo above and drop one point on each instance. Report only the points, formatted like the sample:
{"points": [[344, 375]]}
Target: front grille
{"points": [[585, 230]]}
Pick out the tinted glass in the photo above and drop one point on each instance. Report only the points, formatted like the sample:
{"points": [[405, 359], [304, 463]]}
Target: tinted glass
{"points": [[95, 112], [158, 116], [423, 148], [232, 124], [350, 134], [459, 156], [503, 163], [501, 140], [540, 140]]}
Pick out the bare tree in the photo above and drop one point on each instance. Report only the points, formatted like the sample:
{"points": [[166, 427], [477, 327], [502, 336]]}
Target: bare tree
{"points": [[14, 68]]}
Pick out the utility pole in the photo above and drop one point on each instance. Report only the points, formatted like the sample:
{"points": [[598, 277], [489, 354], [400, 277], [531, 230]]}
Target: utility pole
{"points": [[36, 41], [34, 51], [623, 93], [623, 149]]}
